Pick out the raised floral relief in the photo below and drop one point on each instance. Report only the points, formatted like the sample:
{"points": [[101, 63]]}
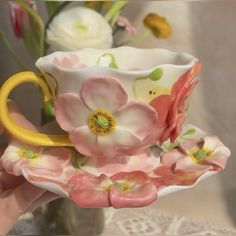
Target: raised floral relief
{"points": [[101, 121]]}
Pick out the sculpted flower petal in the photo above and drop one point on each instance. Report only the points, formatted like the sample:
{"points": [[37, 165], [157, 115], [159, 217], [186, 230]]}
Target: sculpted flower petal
{"points": [[12, 160], [50, 162], [70, 111], [219, 157], [105, 93], [132, 189], [170, 158], [211, 142], [188, 165], [90, 191], [85, 141], [139, 196], [137, 117], [121, 141], [162, 105], [144, 161]]}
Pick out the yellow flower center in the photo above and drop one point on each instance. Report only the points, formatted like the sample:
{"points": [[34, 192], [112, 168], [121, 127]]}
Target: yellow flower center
{"points": [[124, 186], [199, 154], [27, 153], [101, 122], [80, 26]]}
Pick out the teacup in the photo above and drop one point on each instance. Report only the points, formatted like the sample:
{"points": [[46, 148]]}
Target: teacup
{"points": [[109, 91]]}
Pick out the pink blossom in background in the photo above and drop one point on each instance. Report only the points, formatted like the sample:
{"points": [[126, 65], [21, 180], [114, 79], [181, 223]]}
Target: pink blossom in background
{"points": [[171, 108], [125, 23], [101, 121], [20, 17]]}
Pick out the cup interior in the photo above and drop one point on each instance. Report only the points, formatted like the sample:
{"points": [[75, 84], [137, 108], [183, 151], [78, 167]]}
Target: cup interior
{"points": [[123, 58]]}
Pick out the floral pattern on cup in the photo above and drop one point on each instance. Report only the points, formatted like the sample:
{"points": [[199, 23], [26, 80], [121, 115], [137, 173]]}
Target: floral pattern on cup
{"points": [[171, 108], [70, 62], [191, 159], [101, 121], [115, 182]]}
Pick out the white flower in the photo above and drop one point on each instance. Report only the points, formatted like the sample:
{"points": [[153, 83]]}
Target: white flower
{"points": [[78, 28]]}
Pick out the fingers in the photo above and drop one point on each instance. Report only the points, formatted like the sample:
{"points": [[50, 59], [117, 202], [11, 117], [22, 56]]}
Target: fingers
{"points": [[8, 181], [44, 199], [16, 203], [2, 149]]}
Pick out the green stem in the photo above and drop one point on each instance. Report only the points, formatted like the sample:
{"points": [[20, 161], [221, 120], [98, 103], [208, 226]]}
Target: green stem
{"points": [[113, 61], [114, 10], [137, 39], [134, 89], [7, 44], [39, 21], [51, 7]]}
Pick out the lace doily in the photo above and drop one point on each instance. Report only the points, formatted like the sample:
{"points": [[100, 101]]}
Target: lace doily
{"points": [[148, 221]]}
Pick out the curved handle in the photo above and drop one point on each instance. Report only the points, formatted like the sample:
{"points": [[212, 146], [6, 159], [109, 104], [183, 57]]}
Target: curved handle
{"points": [[17, 131]]}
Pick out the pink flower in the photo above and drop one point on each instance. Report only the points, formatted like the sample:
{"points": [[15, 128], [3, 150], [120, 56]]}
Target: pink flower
{"points": [[165, 176], [37, 161], [171, 108], [125, 23], [20, 17], [144, 161], [19, 157], [101, 121], [71, 61], [124, 189], [197, 156]]}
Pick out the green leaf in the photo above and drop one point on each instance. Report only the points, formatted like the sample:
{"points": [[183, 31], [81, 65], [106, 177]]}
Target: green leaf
{"points": [[51, 7], [188, 132], [171, 146], [48, 108], [29, 42], [156, 74], [7, 44], [114, 10]]}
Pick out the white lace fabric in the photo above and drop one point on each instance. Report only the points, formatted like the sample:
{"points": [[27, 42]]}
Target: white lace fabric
{"points": [[148, 221]]}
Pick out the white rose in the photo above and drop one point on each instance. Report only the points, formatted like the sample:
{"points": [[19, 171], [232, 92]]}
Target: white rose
{"points": [[78, 28]]}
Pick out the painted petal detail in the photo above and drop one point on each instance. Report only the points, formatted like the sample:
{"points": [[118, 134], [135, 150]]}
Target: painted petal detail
{"points": [[170, 158], [138, 117], [70, 111], [85, 141], [186, 164], [106, 93], [90, 191], [120, 141]]}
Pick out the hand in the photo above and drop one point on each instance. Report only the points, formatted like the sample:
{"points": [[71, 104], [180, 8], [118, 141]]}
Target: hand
{"points": [[18, 196]]}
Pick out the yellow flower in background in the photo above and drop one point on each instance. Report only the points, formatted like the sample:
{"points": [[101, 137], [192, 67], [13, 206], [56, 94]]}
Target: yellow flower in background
{"points": [[97, 4], [159, 26]]}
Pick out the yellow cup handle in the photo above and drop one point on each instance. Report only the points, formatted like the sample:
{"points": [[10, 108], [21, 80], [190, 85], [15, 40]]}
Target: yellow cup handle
{"points": [[20, 133]]}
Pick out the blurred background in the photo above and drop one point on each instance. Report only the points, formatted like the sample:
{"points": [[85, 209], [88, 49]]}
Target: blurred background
{"points": [[207, 30]]}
